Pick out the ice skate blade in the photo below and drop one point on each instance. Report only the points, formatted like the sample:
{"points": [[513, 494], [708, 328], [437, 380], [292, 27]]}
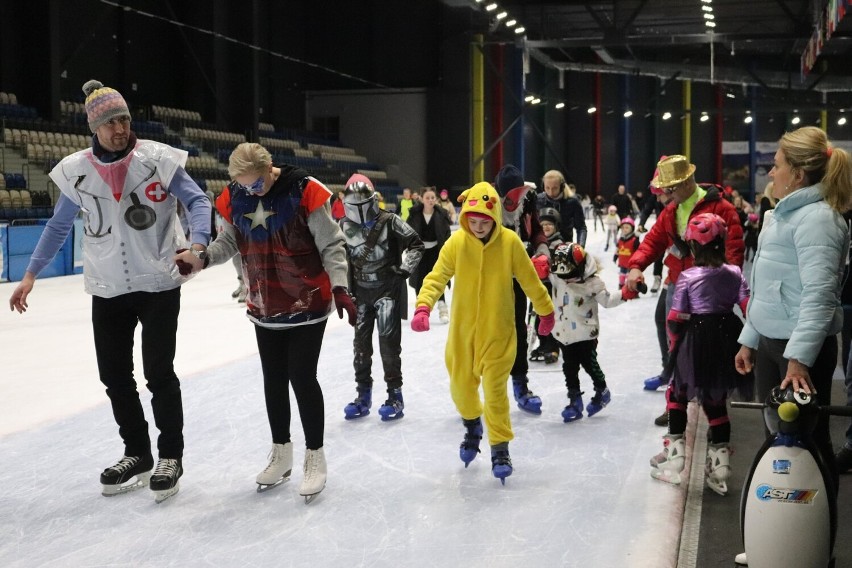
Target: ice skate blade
{"points": [[666, 476], [160, 496], [719, 487], [356, 416], [138, 482], [310, 498], [391, 417], [264, 487], [530, 409]]}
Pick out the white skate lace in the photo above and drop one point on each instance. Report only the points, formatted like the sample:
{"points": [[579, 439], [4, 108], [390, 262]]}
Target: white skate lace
{"points": [[124, 464], [166, 467], [311, 465], [273, 458]]}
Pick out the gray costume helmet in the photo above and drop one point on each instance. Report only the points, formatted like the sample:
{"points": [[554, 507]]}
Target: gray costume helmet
{"points": [[360, 203], [550, 214]]}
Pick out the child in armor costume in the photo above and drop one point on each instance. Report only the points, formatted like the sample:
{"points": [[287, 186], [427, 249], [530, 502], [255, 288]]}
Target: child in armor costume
{"points": [[484, 256], [577, 291], [704, 331], [628, 243], [383, 251]]}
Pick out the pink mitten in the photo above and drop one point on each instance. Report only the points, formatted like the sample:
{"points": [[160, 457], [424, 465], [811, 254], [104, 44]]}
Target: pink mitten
{"points": [[546, 323], [420, 321], [542, 266]]}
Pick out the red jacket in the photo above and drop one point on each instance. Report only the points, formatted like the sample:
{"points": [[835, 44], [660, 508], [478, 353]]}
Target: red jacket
{"points": [[663, 235]]}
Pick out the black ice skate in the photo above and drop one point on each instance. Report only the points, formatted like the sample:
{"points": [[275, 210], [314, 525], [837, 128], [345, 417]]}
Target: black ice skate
{"points": [[164, 481], [129, 474]]}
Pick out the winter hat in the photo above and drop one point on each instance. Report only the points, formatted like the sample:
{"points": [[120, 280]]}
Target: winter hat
{"points": [[444, 194], [508, 178], [103, 104]]}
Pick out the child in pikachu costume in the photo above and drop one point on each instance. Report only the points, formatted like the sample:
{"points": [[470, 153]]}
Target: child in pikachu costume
{"points": [[483, 256]]}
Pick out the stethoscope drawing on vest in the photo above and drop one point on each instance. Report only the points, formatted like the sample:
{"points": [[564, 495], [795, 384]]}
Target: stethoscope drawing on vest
{"points": [[138, 216]]}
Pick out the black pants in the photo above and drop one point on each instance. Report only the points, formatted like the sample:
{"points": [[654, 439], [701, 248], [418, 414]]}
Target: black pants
{"points": [[521, 366], [379, 307], [660, 315], [583, 353], [114, 321], [289, 357], [770, 368]]}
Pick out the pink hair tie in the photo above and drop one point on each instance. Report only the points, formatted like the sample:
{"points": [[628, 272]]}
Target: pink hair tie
{"points": [[828, 151]]}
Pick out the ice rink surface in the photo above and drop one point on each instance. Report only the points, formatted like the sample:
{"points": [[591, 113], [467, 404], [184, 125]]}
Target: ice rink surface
{"points": [[397, 493]]}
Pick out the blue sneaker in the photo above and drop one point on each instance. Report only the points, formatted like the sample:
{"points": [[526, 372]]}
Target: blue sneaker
{"points": [[574, 410], [392, 408], [654, 383], [470, 445], [360, 406], [598, 402], [501, 463], [524, 396]]}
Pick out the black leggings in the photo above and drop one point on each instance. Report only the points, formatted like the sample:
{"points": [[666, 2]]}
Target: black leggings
{"points": [[289, 357]]}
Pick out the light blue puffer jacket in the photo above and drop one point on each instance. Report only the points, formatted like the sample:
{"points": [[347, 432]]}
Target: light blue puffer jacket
{"points": [[797, 275]]}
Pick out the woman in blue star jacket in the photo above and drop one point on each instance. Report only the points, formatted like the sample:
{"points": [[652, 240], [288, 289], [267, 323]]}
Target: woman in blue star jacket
{"points": [[294, 264]]}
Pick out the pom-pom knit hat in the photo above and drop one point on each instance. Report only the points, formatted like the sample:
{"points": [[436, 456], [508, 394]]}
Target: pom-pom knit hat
{"points": [[103, 104]]}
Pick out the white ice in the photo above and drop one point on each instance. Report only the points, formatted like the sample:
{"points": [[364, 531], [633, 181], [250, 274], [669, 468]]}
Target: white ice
{"points": [[397, 493]]}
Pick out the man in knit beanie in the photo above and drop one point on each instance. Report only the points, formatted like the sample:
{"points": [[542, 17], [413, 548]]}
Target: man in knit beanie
{"points": [[103, 104], [134, 262]]}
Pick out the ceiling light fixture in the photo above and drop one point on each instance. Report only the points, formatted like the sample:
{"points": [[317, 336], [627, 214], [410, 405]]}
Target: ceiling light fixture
{"points": [[841, 121], [491, 7], [520, 30], [536, 100], [730, 95], [704, 117], [510, 23], [710, 24], [748, 120], [707, 8], [628, 113], [560, 105], [529, 98], [707, 1], [667, 115], [502, 15], [796, 120], [592, 110], [709, 17]]}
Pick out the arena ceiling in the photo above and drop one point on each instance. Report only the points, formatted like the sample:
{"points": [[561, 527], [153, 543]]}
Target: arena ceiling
{"points": [[754, 42]]}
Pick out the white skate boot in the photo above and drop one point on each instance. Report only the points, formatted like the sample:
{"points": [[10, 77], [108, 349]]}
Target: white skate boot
{"points": [[279, 468], [316, 472], [443, 312], [667, 465], [717, 468]]}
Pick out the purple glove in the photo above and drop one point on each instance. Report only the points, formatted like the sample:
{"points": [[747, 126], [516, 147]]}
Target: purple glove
{"points": [[628, 294], [542, 266], [546, 323], [343, 301], [420, 321]]}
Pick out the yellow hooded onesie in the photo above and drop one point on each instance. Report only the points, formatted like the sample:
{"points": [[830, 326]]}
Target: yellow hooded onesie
{"points": [[481, 342]]}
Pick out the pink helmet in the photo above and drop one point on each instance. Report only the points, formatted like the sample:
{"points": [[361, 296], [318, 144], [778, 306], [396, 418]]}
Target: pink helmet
{"points": [[627, 221], [705, 227]]}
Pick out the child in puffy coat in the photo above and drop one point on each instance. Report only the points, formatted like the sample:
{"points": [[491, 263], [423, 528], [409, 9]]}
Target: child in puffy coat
{"points": [[577, 291], [611, 223]]}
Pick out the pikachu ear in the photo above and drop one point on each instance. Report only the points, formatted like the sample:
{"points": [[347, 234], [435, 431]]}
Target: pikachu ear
{"points": [[463, 197]]}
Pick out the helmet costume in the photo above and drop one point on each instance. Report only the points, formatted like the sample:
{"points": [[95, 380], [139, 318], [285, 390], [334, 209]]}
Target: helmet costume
{"points": [[360, 202]]}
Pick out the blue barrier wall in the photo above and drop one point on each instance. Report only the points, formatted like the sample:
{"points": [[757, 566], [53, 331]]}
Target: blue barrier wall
{"points": [[18, 244]]}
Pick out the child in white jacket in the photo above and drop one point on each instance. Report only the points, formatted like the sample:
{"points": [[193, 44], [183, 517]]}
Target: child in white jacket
{"points": [[577, 291]]}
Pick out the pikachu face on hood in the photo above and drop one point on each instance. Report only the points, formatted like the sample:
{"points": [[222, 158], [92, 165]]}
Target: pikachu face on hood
{"points": [[483, 199]]}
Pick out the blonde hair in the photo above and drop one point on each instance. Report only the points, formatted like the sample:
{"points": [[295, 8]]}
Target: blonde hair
{"points": [[556, 175], [767, 192], [807, 149], [248, 158]]}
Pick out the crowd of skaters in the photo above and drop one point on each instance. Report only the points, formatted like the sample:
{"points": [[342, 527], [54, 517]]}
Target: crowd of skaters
{"points": [[302, 255]]}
